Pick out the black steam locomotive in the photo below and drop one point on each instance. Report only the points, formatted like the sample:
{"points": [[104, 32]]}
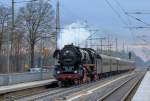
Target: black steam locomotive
{"points": [[79, 65]]}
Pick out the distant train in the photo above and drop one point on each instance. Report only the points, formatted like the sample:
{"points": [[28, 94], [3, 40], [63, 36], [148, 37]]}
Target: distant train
{"points": [[80, 65]]}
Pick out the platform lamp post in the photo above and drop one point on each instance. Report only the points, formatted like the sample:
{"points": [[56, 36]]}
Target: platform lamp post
{"points": [[41, 58], [8, 57], [57, 23], [10, 46]]}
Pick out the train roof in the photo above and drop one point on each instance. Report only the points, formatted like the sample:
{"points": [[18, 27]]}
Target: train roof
{"points": [[114, 58]]}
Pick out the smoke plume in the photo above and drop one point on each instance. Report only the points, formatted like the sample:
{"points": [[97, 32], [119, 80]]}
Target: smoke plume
{"points": [[75, 33]]}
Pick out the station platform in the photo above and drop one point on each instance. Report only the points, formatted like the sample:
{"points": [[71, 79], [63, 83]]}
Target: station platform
{"points": [[22, 86], [143, 92]]}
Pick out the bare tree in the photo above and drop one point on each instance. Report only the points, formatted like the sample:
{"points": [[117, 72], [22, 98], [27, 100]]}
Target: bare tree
{"points": [[4, 19], [36, 19], [4, 30]]}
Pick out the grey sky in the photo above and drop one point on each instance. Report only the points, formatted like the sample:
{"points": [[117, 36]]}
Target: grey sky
{"points": [[99, 14]]}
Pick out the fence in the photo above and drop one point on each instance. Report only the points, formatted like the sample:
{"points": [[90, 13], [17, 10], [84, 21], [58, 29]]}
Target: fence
{"points": [[14, 78]]}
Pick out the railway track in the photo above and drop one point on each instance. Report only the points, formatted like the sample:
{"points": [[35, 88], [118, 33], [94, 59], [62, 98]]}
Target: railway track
{"points": [[55, 93], [60, 92], [65, 94], [122, 91], [115, 90]]}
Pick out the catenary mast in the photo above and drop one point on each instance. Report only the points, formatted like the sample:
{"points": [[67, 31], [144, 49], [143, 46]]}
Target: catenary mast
{"points": [[57, 24]]}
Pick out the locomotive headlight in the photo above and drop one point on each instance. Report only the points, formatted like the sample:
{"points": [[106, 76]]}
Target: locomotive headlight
{"points": [[58, 72], [75, 71]]}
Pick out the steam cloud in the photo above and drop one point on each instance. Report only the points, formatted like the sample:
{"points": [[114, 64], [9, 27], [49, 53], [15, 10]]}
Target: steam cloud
{"points": [[75, 33]]}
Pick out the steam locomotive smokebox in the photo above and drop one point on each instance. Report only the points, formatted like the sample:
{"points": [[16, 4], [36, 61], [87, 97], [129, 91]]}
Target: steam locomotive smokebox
{"points": [[70, 55]]}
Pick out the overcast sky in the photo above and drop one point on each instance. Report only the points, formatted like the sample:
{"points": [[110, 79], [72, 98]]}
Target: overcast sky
{"points": [[112, 18]]}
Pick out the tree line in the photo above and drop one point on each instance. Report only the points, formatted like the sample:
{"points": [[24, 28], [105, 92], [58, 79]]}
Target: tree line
{"points": [[32, 33]]}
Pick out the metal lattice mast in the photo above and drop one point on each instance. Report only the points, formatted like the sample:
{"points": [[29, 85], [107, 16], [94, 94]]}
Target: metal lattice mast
{"points": [[57, 23]]}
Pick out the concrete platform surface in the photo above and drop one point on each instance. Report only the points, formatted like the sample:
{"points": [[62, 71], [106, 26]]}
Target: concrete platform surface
{"points": [[143, 92], [22, 86]]}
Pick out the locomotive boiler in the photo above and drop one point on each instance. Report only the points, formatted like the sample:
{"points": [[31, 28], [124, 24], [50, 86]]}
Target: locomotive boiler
{"points": [[72, 55]]}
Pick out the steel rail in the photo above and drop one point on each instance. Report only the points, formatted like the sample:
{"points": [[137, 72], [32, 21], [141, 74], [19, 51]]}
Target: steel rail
{"points": [[62, 91], [35, 93], [73, 89], [132, 88], [115, 89]]}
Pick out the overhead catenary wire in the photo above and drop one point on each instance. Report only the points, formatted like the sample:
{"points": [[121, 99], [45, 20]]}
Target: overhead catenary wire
{"points": [[124, 11], [116, 12], [139, 12], [129, 22], [119, 16], [138, 19], [128, 19]]}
